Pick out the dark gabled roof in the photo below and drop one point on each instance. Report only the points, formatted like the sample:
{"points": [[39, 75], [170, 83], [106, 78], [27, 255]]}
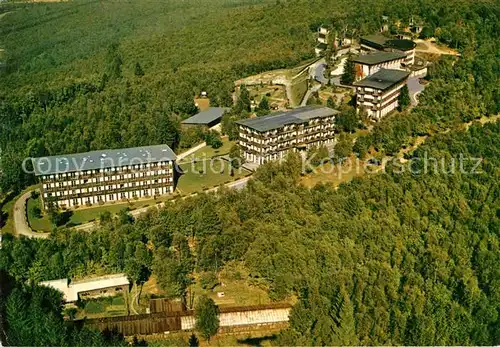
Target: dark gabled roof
{"points": [[206, 117], [378, 57], [383, 79], [322, 45], [101, 159], [376, 41], [280, 119]]}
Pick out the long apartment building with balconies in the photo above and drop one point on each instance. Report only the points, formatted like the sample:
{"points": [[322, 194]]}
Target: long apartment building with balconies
{"points": [[98, 177], [378, 94], [268, 138]]}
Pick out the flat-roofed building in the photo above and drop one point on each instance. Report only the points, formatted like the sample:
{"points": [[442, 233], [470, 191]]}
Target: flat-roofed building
{"points": [[378, 94], [92, 288], [271, 137], [373, 43], [208, 118], [105, 176], [368, 64], [405, 46]]}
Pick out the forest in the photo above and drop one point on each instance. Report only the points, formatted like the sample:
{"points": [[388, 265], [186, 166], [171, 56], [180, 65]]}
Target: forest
{"points": [[87, 75], [385, 259]]}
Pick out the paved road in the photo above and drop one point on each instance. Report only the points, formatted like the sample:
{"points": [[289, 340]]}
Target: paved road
{"points": [[190, 151], [319, 73], [415, 88], [21, 225], [312, 90]]}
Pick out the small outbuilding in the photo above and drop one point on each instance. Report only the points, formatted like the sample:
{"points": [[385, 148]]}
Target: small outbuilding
{"points": [[92, 288], [208, 118]]}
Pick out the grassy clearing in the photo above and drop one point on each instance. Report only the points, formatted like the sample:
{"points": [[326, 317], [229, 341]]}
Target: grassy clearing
{"points": [[84, 215], [209, 152], [206, 174], [238, 287], [276, 94], [298, 88], [104, 307]]}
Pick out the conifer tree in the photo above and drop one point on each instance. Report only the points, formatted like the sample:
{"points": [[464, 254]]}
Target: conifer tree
{"points": [[349, 74], [404, 98]]}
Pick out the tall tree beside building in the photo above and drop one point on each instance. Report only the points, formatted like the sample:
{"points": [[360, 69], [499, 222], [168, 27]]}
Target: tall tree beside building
{"points": [[167, 131], [330, 102], [207, 317], [243, 103], [404, 98], [348, 120], [235, 156], [263, 108], [349, 74]]}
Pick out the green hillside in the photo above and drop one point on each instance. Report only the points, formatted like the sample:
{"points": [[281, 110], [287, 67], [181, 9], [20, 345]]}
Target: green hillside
{"points": [[68, 41]]}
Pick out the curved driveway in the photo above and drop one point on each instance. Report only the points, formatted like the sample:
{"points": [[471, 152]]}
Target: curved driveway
{"points": [[21, 225], [414, 88]]}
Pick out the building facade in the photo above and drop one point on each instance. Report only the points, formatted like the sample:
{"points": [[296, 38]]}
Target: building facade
{"points": [[373, 43], [272, 137], [378, 94], [368, 64], [103, 286], [322, 40], [99, 177]]}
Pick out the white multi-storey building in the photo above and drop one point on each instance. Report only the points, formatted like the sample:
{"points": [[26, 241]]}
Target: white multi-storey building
{"points": [[271, 137], [105, 176], [378, 94]]}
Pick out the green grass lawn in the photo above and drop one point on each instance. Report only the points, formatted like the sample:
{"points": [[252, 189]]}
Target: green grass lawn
{"points": [[209, 152], [239, 288], [84, 215], [206, 174], [38, 224], [104, 307], [298, 89]]}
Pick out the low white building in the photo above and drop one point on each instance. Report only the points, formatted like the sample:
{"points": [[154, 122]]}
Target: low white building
{"points": [[95, 287]]}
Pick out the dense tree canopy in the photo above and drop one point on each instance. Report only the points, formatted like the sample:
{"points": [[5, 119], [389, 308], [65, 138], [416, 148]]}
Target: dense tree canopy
{"points": [[393, 258], [129, 74], [390, 258]]}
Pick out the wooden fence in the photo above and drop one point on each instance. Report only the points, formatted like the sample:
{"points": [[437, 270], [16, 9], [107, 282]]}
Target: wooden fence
{"points": [[147, 324]]}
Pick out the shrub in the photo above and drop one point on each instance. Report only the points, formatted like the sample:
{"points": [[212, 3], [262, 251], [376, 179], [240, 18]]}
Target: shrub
{"points": [[209, 280]]}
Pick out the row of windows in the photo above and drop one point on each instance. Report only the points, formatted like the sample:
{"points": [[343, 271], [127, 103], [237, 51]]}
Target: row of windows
{"points": [[105, 179], [110, 187], [112, 169]]}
